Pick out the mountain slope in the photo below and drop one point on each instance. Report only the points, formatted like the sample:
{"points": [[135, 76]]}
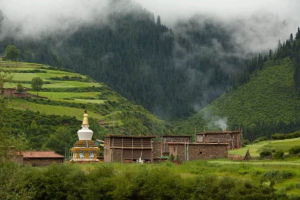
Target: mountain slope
{"points": [[166, 70], [65, 96], [268, 103]]}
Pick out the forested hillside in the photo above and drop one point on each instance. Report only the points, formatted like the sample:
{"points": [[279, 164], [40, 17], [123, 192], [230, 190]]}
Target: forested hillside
{"points": [[51, 120], [268, 101], [171, 72]]}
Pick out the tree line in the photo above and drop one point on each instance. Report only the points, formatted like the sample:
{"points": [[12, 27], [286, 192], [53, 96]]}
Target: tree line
{"points": [[289, 48], [167, 71]]}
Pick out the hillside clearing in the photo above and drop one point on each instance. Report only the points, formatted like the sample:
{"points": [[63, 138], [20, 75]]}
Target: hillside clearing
{"points": [[256, 148]]}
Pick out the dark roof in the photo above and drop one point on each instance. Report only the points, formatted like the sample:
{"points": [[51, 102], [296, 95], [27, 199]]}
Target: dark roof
{"points": [[130, 136], [219, 132], [41, 154], [196, 143]]}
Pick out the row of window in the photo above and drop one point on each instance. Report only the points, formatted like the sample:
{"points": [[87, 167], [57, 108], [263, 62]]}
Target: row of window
{"points": [[81, 155]]}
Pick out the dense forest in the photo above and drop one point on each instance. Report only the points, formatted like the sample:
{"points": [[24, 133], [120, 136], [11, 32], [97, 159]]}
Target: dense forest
{"points": [[290, 48], [263, 100], [171, 72]]}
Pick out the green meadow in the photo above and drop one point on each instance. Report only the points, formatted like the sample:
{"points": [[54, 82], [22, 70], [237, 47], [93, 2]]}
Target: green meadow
{"points": [[271, 145], [22, 104]]}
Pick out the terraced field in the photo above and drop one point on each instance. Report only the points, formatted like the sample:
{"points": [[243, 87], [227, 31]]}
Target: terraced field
{"points": [[68, 93]]}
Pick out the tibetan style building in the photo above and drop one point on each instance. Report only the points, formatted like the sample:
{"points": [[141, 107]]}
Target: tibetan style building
{"points": [[85, 150], [161, 148], [197, 151], [233, 138], [123, 148]]}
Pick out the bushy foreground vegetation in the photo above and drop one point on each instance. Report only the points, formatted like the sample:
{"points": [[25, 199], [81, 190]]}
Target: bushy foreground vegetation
{"points": [[131, 181]]}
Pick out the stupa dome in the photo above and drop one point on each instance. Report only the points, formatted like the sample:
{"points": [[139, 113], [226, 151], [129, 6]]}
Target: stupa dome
{"points": [[85, 133]]}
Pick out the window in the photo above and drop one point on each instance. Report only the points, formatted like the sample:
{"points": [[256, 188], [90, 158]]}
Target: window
{"points": [[92, 155], [81, 155], [200, 138]]}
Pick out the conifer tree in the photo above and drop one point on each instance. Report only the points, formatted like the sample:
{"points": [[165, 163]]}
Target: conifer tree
{"points": [[297, 72]]}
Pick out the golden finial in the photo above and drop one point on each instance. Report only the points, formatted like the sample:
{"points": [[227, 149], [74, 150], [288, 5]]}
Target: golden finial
{"points": [[85, 120]]}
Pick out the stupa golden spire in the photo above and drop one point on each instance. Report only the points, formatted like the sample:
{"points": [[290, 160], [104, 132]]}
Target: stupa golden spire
{"points": [[85, 150], [85, 121]]}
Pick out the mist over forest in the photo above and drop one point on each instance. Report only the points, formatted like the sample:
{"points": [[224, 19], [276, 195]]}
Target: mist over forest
{"points": [[173, 64]]}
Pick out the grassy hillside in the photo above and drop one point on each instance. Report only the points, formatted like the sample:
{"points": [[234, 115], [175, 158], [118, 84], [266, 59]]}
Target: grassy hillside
{"points": [[268, 103], [67, 95], [271, 145]]}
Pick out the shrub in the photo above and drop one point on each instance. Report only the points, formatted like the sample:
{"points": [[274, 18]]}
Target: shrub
{"points": [[171, 157], [279, 136], [265, 154], [294, 150], [259, 139], [278, 154], [246, 142], [20, 88], [276, 176], [12, 53]]}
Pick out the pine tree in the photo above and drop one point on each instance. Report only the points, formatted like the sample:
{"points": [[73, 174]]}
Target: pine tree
{"points": [[297, 72], [158, 23]]}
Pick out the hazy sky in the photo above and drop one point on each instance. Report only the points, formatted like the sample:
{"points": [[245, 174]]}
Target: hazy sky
{"points": [[171, 10], [268, 20]]}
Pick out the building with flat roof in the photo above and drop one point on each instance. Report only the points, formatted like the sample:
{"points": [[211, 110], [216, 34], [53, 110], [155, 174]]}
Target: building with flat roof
{"points": [[233, 138]]}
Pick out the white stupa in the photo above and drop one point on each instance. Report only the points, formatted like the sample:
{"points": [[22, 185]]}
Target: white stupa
{"points": [[85, 133], [85, 150]]}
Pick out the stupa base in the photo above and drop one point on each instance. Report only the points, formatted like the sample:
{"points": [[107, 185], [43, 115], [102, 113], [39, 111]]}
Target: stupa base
{"points": [[84, 160]]}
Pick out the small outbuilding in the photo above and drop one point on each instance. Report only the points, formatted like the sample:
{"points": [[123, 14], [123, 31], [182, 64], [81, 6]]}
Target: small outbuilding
{"points": [[40, 158]]}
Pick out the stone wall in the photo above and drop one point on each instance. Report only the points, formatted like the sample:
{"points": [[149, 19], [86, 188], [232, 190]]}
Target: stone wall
{"points": [[196, 151], [166, 139]]}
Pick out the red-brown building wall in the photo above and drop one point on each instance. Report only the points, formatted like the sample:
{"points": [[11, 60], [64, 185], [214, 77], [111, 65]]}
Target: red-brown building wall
{"points": [[127, 149], [233, 139], [196, 151], [166, 139]]}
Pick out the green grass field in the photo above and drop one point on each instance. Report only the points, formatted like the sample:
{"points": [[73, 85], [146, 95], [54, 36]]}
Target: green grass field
{"points": [[256, 148], [67, 95], [50, 109]]}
